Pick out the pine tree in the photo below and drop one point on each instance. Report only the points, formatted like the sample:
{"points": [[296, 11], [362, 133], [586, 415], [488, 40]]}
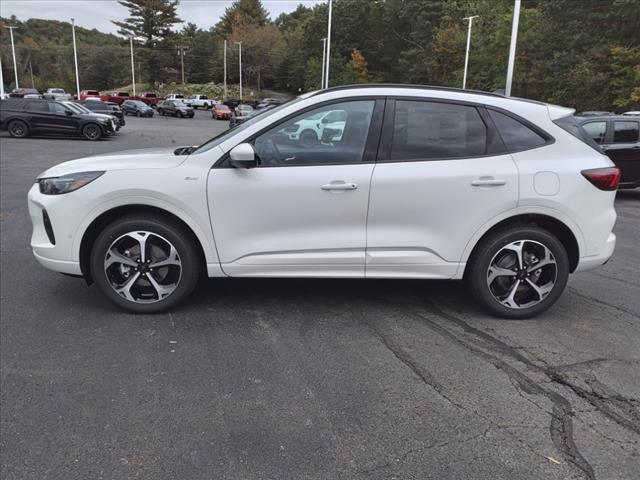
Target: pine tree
{"points": [[150, 20]]}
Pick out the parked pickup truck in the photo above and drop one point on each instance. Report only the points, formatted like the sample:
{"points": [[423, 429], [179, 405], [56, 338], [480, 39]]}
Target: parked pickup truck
{"points": [[199, 101], [115, 97], [56, 94], [150, 98]]}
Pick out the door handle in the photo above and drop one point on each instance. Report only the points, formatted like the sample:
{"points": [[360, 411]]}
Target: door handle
{"points": [[488, 182], [339, 185]]}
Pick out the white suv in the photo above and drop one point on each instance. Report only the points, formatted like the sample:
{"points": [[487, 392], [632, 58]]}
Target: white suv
{"points": [[427, 183]]}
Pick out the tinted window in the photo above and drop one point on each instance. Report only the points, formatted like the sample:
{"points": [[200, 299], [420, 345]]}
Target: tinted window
{"points": [[625, 132], [37, 107], [596, 130], [516, 135], [303, 140], [56, 108], [437, 130]]}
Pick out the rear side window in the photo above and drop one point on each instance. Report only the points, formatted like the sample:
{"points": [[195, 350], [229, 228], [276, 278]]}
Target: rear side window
{"points": [[424, 130], [625, 132], [37, 107], [571, 125], [596, 131], [515, 134]]}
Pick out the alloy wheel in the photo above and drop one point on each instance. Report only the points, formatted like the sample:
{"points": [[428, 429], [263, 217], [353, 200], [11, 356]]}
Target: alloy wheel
{"points": [[522, 274], [143, 267]]}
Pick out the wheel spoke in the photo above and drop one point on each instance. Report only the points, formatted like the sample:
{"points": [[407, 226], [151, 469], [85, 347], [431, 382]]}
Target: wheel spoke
{"points": [[141, 238], [548, 259], [115, 257], [172, 259], [125, 290], [495, 272], [541, 291], [516, 247], [510, 300], [161, 290]]}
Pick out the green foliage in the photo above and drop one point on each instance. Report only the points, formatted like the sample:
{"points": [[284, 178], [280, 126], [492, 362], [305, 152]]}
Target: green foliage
{"points": [[149, 20]]}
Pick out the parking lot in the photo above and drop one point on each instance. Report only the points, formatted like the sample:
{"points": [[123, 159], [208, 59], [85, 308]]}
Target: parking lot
{"points": [[294, 379]]}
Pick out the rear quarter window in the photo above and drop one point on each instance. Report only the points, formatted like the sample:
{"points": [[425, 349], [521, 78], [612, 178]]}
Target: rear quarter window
{"points": [[516, 135]]}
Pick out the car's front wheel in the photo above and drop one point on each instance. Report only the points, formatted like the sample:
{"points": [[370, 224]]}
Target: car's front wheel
{"points": [[92, 132], [145, 263], [518, 272]]}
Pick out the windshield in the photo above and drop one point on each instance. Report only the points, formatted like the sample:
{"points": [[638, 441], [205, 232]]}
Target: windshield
{"points": [[217, 140], [56, 90], [222, 107], [76, 107], [138, 103]]}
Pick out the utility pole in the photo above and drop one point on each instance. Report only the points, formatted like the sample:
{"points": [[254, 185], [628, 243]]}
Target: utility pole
{"points": [[75, 57], [324, 56], [466, 57], [13, 50], [1, 79], [512, 47], [326, 72], [33, 85], [181, 51], [133, 69], [240, 60], [224, 96]]}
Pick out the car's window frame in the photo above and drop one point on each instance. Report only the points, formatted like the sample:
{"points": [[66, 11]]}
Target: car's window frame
{"points": [[613, 131], [549, 139], [371, 143]]}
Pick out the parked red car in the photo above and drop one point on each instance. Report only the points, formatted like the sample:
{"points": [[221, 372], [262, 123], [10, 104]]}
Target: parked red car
{"points": [[84, 94], [150, 98], [116, 97], [221, 111]]}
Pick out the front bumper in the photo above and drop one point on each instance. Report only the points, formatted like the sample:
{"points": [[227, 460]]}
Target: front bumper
{"points": [[64, 217]]}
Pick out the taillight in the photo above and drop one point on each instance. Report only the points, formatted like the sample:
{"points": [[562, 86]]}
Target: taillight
{"points": [[603, 178]]}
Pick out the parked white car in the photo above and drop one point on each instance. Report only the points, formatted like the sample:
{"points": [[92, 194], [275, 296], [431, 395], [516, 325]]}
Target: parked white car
{"points": [[323, 126], [424, 183], [199, 101], [174, 96], [56, 94]]}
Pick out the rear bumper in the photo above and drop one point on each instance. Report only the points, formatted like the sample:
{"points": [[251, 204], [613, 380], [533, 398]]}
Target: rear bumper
{"points": [[594, 261]]}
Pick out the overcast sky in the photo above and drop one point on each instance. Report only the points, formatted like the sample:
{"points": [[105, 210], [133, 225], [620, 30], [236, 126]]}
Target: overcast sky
{"points": [[99, 13]]}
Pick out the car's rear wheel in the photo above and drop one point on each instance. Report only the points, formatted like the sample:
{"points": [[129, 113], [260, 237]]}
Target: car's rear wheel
{"points": [[145, 263], [518, 272], [18, 129], [179, 114], [92, 131]]}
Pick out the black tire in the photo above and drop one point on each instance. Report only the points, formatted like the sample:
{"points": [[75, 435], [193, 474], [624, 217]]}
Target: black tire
{"points": [[477, 272], [179, 114], [308, 137], [18, 129], [138, 114], [183, 241], [92, 131], [125, 112]]}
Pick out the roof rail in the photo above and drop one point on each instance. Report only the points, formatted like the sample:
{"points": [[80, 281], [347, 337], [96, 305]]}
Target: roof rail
{"points": [[406, 85]]}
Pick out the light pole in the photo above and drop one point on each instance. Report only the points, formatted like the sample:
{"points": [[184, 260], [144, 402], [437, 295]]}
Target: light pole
{"points": [[1, 79], [13, 51], [240, 60], [512, 47], [466, 57], [133, 70], [75, 57], [326, 72], [324, 55], [224, 96]]}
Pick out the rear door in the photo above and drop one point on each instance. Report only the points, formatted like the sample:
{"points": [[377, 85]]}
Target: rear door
{"points": [[624, 149], [38, 113], [442, 172]]}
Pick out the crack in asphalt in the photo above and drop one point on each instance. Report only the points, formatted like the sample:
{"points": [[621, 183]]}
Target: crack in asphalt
{"points": [[603, 303], [561, 424]]}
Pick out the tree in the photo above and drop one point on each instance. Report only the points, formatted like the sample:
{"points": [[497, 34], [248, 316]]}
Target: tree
{"points": [[247, 12], [150, 20]]}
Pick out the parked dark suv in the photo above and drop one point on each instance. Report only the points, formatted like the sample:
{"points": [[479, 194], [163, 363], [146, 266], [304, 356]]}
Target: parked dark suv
{"points": [[176, 108], [22, 117], [137, 108], [107, 108], [619, 137]]}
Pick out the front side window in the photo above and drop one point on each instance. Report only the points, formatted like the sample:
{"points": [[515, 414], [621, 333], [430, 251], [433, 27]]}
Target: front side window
{"points": [[516, 135], [309, 139], [56, 108], [596, 130], [430, 130], [625, 132]]}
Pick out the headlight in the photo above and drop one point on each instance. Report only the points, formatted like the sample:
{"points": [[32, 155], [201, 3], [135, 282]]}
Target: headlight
{"points": [[66, 183]]}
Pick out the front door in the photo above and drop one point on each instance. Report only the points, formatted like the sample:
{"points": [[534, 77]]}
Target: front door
{"points": [[624, 149], [302, 211]]}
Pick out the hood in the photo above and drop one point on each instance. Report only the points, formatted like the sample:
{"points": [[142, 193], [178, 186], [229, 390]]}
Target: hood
{"points": [[101, 116], [130, 159]]}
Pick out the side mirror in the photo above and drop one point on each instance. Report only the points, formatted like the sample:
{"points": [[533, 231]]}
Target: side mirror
{"points": [[243, 156], [68, 113]]}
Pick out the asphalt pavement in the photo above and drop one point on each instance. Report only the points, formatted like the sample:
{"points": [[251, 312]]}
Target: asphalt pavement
{"points": [[307, 379]]}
